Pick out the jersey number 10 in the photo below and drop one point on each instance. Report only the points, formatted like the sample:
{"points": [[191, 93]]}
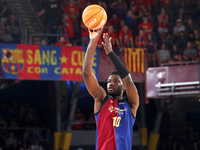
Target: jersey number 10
{"points": [[116, 121]]}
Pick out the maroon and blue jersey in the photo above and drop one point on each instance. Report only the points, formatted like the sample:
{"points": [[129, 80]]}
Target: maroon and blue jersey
{"points": [[114, 124]]}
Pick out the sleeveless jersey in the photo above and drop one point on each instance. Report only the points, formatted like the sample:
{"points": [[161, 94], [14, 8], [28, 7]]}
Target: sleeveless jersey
{"points": [[114, 124]]}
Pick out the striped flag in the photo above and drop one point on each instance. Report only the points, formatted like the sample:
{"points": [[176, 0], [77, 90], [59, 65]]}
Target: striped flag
{"points": [[134, 60]]}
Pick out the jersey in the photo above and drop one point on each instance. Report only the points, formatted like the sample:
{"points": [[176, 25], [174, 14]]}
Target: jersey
{"points": [[114, 125]]}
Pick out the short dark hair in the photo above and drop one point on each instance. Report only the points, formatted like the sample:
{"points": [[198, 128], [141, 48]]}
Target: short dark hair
{"points": [[115, 72]]}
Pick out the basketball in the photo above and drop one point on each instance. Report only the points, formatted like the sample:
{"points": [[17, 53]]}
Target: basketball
{"points": [[94, 17]]}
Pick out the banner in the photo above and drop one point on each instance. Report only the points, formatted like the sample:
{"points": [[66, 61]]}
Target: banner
{"points": [[34, 62], [134, 60]]}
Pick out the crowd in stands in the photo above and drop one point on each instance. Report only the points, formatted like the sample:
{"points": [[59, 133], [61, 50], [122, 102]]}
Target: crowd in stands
{"points": [[168, 30], [19, 125], [9, 25]]}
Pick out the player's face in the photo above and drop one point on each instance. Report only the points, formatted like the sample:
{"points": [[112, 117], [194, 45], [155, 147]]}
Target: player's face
{"points": [[114, 85]]}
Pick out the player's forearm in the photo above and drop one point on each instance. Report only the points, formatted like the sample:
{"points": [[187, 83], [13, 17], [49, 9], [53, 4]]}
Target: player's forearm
{"points": [[123, 71], [89, 57]]}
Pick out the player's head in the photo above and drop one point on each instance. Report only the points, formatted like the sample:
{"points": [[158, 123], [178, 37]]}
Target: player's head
{"points": [[115, 86]]}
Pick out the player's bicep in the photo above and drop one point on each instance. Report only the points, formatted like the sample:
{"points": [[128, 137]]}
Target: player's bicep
{"points": [[93, 87]]}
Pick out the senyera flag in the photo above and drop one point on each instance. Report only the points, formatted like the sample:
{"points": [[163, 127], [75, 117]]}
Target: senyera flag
{"points": [[134, 60], [35, 62]]}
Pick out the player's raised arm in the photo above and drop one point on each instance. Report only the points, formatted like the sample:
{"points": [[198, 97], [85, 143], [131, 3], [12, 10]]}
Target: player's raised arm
{"points": [[131, 91], [96, 91]]}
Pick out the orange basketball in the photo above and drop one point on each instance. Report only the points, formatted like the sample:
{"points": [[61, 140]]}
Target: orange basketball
{"points": [[94, 17]]}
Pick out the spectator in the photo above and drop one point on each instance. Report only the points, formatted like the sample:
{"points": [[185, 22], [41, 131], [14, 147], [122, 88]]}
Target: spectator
{"points": [[73, 11], [181, 15], [12, 28], [44, 42], [140, 40], [63, 42], [133, 17], [146, 12], [152, 50], [175, 54], [190, 27], [53, 18], [2, 142], [125, 37], [5, 12], [181, 42], [36, 145], [147, 26], [115, 40], [11, 142], [162, 22], [190, 53], [68, 28], [120, 8], [5, 37], [24, 141], [115, 22], [84, 34], [29, 117], [79, 118], [196, 38], [178, 27], [24, 147], [163, 54], [169, 41], [138, 3]]}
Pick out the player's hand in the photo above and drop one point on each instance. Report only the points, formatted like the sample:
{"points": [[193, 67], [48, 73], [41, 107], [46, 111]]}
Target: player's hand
{"points": [[95, 34], [107, 43]]}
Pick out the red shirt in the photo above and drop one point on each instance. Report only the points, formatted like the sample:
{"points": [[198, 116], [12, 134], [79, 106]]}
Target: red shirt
{"points": [[101, 38], [59, 44], [144, 2], [72, 11], [70, 28], [125, 37], [145, 26], [115, 23], [152, 2], [162, 25], [165, 3], [114, 38], [140, 41]]}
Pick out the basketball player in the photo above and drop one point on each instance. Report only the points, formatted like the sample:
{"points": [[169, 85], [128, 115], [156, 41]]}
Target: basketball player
{"points": [[114, 114]]}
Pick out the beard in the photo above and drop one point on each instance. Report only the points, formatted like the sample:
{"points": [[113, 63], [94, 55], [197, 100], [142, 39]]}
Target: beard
{"points": [[114, 93]]}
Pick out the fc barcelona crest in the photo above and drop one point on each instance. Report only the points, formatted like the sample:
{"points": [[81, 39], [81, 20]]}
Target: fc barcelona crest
{"points": [[12, 61]]}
